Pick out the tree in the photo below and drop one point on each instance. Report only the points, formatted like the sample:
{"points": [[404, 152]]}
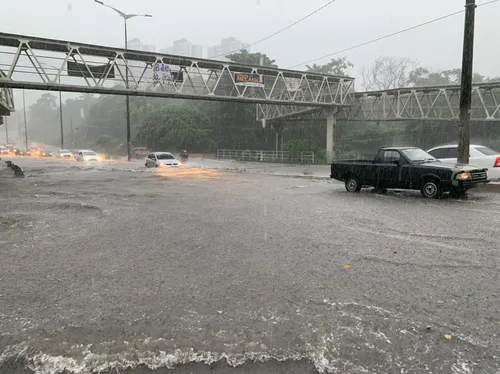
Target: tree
{"points": [[422, 77], [176, 128], [245, 57], [388, 73], [43, 124], [337, 66]]}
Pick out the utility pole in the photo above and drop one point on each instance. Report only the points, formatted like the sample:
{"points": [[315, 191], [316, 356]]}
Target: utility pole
{"points": [[72, 133], [6, 130], [466, 82], [25, 124], [61, 115]]}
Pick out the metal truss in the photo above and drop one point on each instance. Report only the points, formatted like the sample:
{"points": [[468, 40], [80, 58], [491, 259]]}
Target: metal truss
{"points": [[425, 103], [6, 99], [47, 64], [416, 103]]}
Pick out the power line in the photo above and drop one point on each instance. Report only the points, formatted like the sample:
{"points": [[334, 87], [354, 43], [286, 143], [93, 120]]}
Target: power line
{"points": [[391, 35], [280, 31]]}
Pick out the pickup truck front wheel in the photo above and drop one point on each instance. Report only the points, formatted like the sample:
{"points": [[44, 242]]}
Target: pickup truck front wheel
{"points": [[431, 189], [352, 184]]}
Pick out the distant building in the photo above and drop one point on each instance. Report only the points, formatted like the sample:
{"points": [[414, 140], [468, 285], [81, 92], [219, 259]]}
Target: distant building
{"points": [[134, 44], [148, 48], [168, 50], [183, 47], [197, 51], [226, 47]]}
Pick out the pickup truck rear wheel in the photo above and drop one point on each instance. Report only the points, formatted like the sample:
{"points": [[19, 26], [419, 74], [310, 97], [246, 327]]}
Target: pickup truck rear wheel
{"points": [[431, 189], [352, 184]]}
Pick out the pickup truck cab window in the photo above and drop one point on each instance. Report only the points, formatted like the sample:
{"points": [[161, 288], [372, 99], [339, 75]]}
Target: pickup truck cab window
{"points": [[391, 157], [417, 154]]}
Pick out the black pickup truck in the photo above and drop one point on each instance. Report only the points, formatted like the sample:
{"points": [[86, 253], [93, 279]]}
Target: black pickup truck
{"points": [[408, 168]]}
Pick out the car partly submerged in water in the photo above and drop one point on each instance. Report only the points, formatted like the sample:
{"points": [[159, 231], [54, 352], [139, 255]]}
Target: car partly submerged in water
{"points": [[87, 155], [161, 159]]}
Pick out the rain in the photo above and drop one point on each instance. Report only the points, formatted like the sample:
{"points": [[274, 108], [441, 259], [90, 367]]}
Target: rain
{"points": [[261, 186]]}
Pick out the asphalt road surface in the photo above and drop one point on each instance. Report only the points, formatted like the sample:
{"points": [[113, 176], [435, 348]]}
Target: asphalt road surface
{"points": [[199, 270]]}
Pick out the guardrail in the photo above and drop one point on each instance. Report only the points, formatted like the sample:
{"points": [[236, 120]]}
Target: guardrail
{"points": [[266, 156]]}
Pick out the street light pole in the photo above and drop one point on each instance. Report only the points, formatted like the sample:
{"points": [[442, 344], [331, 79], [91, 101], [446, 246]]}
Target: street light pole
{"points": [[466, 82], [25, 125], [61, 116], [126, 17], [127, 100]]}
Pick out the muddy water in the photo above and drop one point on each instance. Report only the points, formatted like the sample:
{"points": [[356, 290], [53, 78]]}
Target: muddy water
{"points": [[106, 269]]}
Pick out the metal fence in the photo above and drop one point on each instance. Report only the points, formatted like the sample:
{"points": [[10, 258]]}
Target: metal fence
{"points": [[266, 156]]}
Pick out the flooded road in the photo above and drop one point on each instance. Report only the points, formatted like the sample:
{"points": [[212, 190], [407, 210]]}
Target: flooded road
{"points": [[207, 270]]}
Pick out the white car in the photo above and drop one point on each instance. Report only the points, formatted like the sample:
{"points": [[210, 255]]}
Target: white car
{"points": [[87, 155], [63, 153], [159, 159], [479, 155]]}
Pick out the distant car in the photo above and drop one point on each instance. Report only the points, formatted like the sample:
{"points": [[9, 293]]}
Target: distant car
{"points": [[40, 152], [4, 150], [87, 155], [20, 152], [45, 153], [63, 153], [479, 155], [140, 152], [159, 159]]}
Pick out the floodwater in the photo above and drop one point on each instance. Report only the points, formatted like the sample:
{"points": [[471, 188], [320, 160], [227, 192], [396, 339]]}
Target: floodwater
{"points": [[223, 269]]}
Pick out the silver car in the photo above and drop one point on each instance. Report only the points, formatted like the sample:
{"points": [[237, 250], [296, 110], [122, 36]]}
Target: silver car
{"points": [[87, 155], [161, 159]]}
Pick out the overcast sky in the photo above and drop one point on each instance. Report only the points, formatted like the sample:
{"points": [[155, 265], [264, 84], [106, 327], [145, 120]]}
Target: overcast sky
{"points": [[340, 25]]}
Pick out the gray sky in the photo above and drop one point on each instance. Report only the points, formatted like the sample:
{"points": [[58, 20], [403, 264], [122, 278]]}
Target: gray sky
{"points": [[340, 25]]}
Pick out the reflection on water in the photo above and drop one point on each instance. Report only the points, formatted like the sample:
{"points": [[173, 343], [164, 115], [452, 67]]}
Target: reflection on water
{"points": [[186, 171]]}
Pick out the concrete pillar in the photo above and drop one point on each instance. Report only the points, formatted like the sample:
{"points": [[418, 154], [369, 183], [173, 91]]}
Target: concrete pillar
{"points": [[331, 124], [282, 130], [277, 133]]}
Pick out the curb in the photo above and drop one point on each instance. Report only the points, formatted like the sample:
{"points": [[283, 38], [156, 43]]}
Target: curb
{"points": [[490, 187]]}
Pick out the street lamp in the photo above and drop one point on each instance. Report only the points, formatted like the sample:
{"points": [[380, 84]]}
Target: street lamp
{"points": [[125, 18]]}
